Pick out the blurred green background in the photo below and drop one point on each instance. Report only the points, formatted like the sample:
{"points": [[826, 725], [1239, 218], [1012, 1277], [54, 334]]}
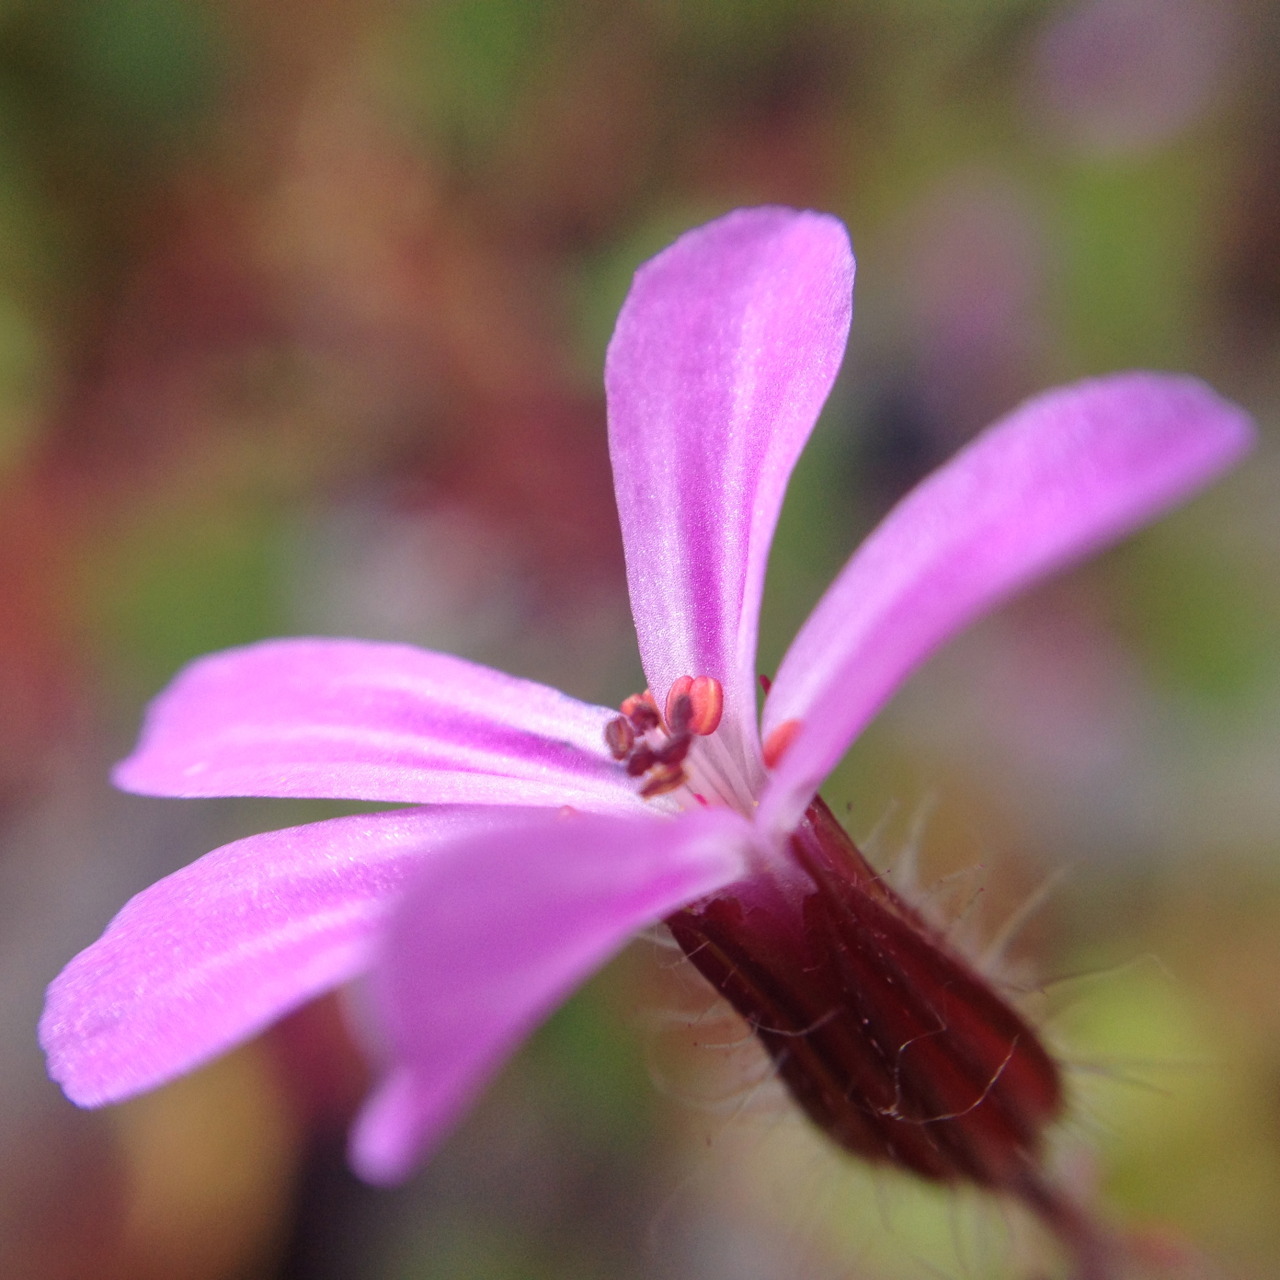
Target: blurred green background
{"points": [[302, 314]]}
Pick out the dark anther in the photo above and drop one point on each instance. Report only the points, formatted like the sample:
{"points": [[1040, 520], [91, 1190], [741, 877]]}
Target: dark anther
{"points": [[679, 714], [674, 750], [619, 737], [667, 777], [641, 711]]}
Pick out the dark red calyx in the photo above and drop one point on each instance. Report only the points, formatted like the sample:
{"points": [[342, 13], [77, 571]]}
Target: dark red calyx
{"points": [[891, 1042]]}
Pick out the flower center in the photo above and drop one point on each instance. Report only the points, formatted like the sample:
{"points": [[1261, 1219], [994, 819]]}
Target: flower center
{"points": [[654, 747]]}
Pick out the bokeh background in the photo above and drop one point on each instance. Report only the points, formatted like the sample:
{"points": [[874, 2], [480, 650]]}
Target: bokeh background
{"points": [[302, 315]]}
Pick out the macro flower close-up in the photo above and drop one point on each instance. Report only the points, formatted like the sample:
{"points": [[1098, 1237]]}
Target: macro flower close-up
{"points": [[541, 833]]}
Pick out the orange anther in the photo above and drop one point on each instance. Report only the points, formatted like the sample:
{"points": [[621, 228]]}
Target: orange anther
{"points": [[694, 705], [776, 744], [708, 705]]}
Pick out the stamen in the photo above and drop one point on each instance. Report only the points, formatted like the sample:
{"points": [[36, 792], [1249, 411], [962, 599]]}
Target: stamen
{"points": [[643, 758], [778, 742], [642, 711], [707, 697], [681, 714], [678, 693], [619, 737], [667, 777], [647, 748], [675, 750]]}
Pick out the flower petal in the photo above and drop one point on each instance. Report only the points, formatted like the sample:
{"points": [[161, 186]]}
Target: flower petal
{"points": [[1067, 472], [492, 936], [724, 352], [210, 955], [354, 720]]}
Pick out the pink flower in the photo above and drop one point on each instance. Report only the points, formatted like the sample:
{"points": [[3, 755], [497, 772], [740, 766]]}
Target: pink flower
{"points": [[532, 854]]}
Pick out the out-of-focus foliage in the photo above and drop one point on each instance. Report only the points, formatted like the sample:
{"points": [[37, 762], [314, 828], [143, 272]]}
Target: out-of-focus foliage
{"points": [[302, 312]]}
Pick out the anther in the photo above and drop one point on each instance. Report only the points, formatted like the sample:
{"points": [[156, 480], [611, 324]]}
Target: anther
{"points": [[667, 777], [679, 713], [778, 742], [642, 711], [674, 750], [642, 760], [705, 698], [679, 704], [619, 737], [654, 748]]}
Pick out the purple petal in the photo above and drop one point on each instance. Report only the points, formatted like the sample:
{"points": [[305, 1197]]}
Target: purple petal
{"points": [[213, 953], [1058, 478], [353, 720], [491, 937], [723, 355]]}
